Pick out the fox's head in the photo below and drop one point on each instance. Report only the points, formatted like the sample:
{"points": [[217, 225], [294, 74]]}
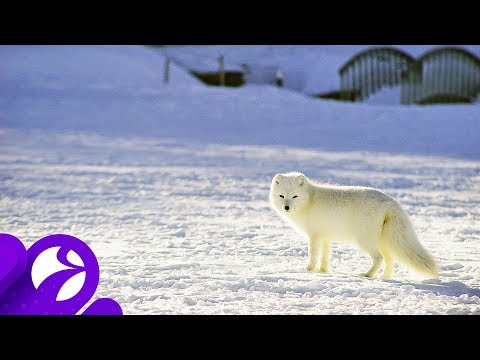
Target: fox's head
{"points": [[289, 192]]}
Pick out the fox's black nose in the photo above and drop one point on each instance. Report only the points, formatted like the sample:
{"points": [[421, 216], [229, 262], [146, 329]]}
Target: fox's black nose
{"points": [[287, 208]]}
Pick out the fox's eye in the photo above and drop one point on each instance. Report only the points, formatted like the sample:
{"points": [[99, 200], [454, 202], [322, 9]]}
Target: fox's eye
{"points": [[294, 197], [281, 196]]}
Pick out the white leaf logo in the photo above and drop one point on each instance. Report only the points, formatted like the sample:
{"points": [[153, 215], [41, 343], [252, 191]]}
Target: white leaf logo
{"points": [[46, 264], [71, 287]]}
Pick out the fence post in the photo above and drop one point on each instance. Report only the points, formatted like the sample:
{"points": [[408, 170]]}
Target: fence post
{"points": [[279, 78], [221, 66], [166, 73]]}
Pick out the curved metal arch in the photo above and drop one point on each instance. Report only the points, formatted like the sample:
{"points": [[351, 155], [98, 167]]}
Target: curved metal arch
{"points": [[450, 49], [400, 53]]}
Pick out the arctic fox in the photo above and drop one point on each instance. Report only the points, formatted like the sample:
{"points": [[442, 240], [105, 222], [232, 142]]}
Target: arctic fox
{"points": [[369, 218]]}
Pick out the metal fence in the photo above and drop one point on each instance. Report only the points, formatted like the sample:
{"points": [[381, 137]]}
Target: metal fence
{"points": [[442, 75], [445, 75], [370, 70]]}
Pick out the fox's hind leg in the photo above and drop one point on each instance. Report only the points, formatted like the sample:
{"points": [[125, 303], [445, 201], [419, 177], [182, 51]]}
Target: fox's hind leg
{"points": [[369, 241], [387, 272], [377, 259]]}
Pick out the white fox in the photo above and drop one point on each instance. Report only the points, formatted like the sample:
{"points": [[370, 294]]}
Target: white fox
{"points": [[369, 218]]}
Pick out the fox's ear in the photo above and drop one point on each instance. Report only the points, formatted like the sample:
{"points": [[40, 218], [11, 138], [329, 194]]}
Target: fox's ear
{"points": [[277, 177], [300, 180]]}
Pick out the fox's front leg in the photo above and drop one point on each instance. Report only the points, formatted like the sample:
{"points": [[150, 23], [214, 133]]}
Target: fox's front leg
{"points": [[317, 247], [325, 256], [313, 254]]}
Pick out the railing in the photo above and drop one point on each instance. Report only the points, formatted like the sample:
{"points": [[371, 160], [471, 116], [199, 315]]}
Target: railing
{"points": [[445, 75], [370, 70], [442, 75]]}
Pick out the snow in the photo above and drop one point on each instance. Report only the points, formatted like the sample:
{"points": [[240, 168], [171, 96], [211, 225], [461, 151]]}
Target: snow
{"points": [[168, 183], [386, 95]]}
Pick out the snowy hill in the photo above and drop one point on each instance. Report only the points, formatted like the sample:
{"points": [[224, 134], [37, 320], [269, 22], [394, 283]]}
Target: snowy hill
{"points": [[168, 183]]}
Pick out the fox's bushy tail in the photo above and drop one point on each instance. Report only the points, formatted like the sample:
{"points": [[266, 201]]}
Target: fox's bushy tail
{"points": [[399, 237]]}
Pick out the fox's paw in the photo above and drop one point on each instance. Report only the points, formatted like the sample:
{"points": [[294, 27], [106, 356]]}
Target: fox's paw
{"points": [[315, 268], [367, 275]]}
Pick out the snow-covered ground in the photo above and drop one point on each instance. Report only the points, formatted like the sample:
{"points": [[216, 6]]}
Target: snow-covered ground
{"points": [[169, 184]]}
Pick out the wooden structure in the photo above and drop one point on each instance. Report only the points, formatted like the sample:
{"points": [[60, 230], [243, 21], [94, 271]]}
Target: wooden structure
{"points": [[345, 95], [216, 78]]}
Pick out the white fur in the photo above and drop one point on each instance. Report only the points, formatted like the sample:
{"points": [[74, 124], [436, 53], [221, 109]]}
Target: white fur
{"points": [[367, 217]]}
